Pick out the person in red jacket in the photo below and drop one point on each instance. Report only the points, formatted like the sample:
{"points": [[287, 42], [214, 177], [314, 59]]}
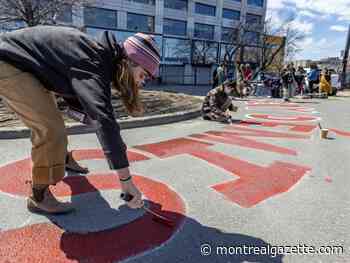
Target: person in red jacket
{"points": [[38, 61], [248, 73]]}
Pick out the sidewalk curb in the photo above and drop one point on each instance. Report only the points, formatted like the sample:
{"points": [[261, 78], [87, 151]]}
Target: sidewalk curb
{"points": [[78, 128]]}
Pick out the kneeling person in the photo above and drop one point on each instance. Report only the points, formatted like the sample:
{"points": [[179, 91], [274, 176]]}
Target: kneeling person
{"points": [[218, 103]]}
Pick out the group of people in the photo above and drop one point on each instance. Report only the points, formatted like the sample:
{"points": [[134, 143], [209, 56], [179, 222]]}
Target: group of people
{"points": [[244, 75], [294, 81], [218, 103]]}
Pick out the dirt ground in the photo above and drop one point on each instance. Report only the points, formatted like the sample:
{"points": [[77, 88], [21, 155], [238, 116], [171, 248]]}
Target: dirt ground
{"points": [[155, 102]]}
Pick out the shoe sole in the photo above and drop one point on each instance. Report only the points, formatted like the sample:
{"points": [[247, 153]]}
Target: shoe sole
{"points": [[43, 212], [37, 210], [76, 171]]}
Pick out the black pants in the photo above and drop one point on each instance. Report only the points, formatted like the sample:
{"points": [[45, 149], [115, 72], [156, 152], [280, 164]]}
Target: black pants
{"points": [[311, 85]]}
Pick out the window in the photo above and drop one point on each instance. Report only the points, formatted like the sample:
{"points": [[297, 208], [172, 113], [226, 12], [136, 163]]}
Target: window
{"points": [[256, 2], [13, 25], [147, 2], [176, 4], [205, 52], [65, 15], [203, 31], [228, 53], [252, 54], [95, 32], [229, 34], [253, 19], [121, 36], [231, 14], [174, 27], [251, 38], [207, 10], [100, 17], [177, 50], [142, 23]]}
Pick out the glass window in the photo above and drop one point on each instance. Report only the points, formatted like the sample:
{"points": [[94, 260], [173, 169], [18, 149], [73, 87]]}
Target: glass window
{"points": [[252, 54], [121, 36], [148, 2], [205, 52], [251, 38], [176, 4], [207, 10], [100, 17], [65, 15], [229, 34], [231, 14], [177, 50], [253, 19], [256, 2], [137, 22], [95, 32], [13, 25], [228, 52], [203, 31], [174, 27]]}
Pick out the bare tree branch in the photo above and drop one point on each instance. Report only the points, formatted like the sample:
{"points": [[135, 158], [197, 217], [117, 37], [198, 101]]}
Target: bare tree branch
{"points": [[36, 12]]}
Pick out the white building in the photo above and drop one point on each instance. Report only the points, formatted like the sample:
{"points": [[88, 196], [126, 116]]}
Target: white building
{"points": [[192, 34]]}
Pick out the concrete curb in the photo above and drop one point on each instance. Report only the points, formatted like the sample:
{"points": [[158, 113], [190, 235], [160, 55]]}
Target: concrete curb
{"points": [[78, 128]]}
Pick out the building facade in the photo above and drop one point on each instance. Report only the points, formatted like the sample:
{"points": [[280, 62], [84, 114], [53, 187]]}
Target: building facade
{"points": [[193, 35]]}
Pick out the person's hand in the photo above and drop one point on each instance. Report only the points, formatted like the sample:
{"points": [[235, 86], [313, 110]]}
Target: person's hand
{"points": [[128, 187], [227, 113], [234, 108]]}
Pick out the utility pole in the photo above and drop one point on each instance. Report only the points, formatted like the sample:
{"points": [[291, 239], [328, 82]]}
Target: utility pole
{"points": [[345, 61]]}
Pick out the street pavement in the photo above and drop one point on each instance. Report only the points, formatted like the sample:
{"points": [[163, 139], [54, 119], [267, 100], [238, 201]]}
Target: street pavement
{"points": [[265, 189]]}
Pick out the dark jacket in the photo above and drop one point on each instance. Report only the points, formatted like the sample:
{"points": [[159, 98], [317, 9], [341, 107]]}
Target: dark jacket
{"points": [[77, 67], [217, 101], [287, 77]]}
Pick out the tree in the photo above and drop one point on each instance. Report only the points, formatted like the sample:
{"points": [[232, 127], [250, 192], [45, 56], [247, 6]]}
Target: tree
{"points": [[254, 41], [37, 12]]}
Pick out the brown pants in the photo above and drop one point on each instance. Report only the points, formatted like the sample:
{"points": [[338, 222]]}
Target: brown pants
{"points": [[36, 107]]}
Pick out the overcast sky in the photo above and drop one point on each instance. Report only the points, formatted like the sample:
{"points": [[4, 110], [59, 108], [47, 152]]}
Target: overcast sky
{"points": [[325, 23]]}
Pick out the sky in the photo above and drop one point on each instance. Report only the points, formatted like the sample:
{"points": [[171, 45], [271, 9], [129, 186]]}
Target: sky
{"points": [[325, 24]]}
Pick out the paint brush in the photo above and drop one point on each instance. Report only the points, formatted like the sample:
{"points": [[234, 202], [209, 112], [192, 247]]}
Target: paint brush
{"points": [[319, 125], [156, 217]]}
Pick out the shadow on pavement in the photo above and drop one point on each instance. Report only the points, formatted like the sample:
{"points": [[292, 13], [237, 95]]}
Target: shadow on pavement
{"points": [[114, 245]]}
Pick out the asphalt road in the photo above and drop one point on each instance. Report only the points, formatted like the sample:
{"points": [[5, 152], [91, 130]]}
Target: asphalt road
{"points": [[240, 193]]}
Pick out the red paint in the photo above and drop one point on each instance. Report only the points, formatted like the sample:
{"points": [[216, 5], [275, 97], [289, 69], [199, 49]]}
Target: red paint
{"points": [[48, 243], [305, 110], [173, 147], [304, 128], [273, 104], [13, 176], [340, 132], [328, 179], [255, 183], [244, 131], [283, 118], [244, 142], [98, 154]]}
